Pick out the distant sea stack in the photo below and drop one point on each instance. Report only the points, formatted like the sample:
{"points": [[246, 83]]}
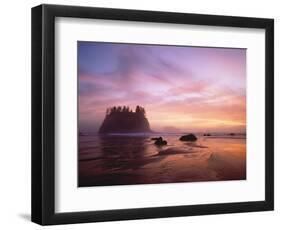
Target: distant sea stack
{"points": [[121, 119]]}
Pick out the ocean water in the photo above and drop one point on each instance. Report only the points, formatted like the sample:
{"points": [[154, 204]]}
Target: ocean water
{"points": [[135, 159]]}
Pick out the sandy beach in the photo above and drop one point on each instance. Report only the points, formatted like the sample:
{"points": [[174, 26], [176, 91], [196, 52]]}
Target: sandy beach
{"points": [[129, 159]]}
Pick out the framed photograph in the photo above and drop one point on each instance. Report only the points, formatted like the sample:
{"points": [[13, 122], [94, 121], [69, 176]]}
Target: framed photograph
{"points": [[142, 114]]}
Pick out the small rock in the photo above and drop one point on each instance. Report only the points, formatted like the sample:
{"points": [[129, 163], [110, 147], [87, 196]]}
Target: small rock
{"points": [[159, 141], [189, 137]]}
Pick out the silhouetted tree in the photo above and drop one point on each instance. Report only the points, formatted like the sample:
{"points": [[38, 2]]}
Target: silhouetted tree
{"points": [[125, 109], [140, 110]]}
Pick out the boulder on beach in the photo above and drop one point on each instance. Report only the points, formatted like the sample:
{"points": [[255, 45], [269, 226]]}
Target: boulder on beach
{"points": [[206, 134], [159, 141], [188, 137]]}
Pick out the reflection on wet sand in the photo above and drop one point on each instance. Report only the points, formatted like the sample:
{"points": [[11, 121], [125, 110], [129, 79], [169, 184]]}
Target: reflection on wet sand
{"points": [[124, 160]]}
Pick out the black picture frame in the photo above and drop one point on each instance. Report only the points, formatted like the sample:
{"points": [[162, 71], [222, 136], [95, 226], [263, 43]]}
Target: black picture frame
{"points": [[43, 114]]}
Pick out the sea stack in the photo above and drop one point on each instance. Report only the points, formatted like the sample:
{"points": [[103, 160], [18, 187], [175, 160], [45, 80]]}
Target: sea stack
{"points": [[121, 119]]}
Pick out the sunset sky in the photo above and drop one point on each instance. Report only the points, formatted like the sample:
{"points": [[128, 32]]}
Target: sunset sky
{"points": [[181, 88]]}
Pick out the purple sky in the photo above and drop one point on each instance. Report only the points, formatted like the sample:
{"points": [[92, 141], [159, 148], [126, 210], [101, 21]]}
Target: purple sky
{"points": [[181, 88]]}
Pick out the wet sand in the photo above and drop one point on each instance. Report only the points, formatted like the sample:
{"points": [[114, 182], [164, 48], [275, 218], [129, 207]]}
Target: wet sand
{"points": [[127, 160]]}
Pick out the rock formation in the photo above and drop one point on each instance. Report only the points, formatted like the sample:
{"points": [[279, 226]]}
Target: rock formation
{"points": [[124, 120], [189, 137], [159, 141]]}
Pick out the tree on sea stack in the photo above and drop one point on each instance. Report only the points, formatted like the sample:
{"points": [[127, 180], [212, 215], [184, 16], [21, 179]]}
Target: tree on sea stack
{"points": [[140, 110]]}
